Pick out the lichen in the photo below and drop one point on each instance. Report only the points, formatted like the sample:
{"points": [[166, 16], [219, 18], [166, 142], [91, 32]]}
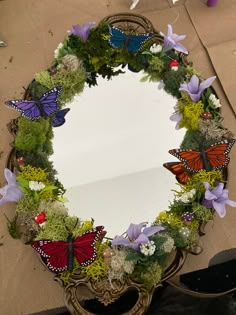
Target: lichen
{"points": [[191, 112], [58, 227], [34, 173], [71, 81], [202, 213], [28, 205], [211, 177], [98, 269]]}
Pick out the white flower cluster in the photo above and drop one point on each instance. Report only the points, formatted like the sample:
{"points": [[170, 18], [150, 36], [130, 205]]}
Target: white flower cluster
{"points": [[186, 197], [148, 249], [56, 51], [169, 244], [156, 48], [33, 185], [215, 101]]}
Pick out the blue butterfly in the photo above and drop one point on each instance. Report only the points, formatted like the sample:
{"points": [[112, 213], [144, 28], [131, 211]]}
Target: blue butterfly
{"points": [[133, 43], [59, 118], [45, 106]]}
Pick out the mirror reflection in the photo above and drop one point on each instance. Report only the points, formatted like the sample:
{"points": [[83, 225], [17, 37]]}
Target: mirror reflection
{"points": [[110, 151]]}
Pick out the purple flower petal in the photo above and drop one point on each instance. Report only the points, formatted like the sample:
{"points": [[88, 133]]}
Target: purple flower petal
{"points": [[134, 230], [149, 231], [11, 191], [120, 240], [194, 89], [219, 208], [171, 40], [82, 31], [206, 83]]}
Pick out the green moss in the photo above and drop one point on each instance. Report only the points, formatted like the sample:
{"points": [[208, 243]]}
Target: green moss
{"points": [[172, 80], [31, 135], [155, 69], [192, 140], [148, 275], [71, 81]]}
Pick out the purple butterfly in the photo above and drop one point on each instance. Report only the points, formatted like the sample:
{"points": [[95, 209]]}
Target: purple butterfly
{"points": [[45, 106], [59, 118]]}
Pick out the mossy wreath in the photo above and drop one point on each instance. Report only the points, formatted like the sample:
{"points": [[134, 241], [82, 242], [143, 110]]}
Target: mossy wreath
{"points": [[41, 217]]}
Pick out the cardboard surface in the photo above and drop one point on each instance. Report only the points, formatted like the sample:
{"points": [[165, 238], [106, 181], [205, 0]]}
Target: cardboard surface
{"points": [[32, 30]]}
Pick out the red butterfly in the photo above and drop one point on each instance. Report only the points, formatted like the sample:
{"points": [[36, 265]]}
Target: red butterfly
{"points": [[177, 168], [214, 157], [58, 255]]}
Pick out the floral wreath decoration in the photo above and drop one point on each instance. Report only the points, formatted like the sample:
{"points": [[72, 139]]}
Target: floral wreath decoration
{"points": [[69, 245]]}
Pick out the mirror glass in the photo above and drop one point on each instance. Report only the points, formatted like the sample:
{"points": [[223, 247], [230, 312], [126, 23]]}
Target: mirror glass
{"points": [[110, 151]]}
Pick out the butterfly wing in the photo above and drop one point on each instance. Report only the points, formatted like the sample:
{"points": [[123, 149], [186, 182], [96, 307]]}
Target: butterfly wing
{"points": [[59, 118], [48, 101], [28, 109], [117, 38], [191, 159], [177, 168], [84, 246], [135, 42], [218, 154], [54, 253]]}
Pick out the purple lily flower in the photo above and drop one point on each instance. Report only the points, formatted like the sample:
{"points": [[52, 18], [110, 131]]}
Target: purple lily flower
{"points": [[82, 31], [137, 234], [177, 117], [194, 89], [217, 198], [171, 40], [10, 192]]}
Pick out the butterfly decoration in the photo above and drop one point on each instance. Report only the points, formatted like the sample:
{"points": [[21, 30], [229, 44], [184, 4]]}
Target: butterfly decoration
{"points": [[214, 157], [59, 255], [45, 106], [132, 42], [59, 118], [178, 169]]}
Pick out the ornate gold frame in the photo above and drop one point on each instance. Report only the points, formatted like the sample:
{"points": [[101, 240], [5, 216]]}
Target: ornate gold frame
{"points": [[80, 289]]}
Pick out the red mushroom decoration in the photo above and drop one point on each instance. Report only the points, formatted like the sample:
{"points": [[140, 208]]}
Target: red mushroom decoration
{"points": [[40, 219], [21, 162], [174, 65]]}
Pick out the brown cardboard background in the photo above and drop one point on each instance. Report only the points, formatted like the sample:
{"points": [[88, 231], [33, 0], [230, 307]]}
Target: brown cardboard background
{"points": [[26, 26]]}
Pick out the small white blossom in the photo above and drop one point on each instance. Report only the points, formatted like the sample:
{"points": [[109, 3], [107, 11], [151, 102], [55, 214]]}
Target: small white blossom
{"points": [[186, 197], [33, 185], [148, 249], [156, 48], [215, 101], [56, 51], [168, 246]]}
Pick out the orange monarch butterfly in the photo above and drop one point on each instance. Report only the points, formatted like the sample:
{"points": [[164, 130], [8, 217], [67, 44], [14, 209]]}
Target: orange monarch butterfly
{"points": [[177, 168], [214, 157]]}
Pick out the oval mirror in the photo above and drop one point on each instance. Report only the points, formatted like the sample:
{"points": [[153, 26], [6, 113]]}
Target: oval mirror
{"points": [[110, 152]]}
